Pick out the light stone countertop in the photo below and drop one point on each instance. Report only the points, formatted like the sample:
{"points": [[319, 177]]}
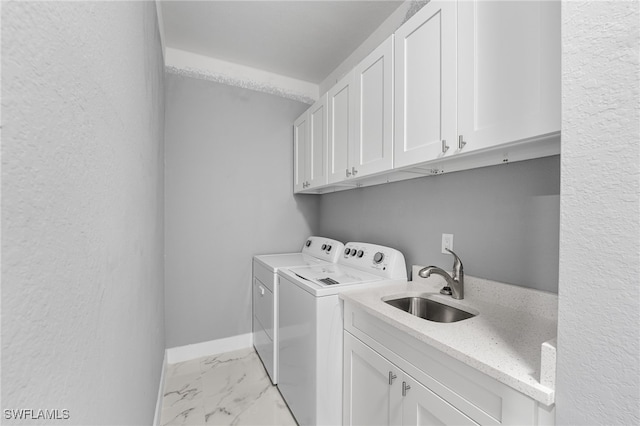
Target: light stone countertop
{"points": [[504, 340]]}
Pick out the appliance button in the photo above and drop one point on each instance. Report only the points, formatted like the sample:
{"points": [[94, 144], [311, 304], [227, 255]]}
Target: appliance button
{"points": [[378, 257], [360, 253]]}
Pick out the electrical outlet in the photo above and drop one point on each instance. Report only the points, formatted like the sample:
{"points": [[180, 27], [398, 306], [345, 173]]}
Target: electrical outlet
{"points": [[447, 243]]}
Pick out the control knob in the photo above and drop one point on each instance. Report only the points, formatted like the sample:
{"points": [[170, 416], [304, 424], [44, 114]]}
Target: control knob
{"points": [[353, 252], [347, 251], [378, 257], [308, 243], [360, 253], [328, 248], [324, 246]]}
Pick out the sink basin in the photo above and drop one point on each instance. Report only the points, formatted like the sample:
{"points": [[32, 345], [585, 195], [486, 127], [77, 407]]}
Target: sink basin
{"points": [[430, 309]]}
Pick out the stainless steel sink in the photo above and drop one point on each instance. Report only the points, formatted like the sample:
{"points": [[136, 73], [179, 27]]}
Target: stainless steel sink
{"points": [[430, 309]]}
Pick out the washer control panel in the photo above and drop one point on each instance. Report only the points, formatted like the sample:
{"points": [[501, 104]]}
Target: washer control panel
{"points": [[323, 248], [380, 260]]}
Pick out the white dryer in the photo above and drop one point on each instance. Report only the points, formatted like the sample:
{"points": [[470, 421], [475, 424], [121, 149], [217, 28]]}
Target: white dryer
{"points": [[311, 327], [315, 251]]}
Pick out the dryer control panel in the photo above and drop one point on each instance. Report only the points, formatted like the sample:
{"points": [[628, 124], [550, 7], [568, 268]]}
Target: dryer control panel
{"points": [[384, 261]]}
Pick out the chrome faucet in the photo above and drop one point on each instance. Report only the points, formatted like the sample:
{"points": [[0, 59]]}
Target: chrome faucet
{"points": [[455, 281]]}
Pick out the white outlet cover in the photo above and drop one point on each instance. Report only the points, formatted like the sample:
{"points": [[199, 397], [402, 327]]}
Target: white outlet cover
{"points": [[447, 243]]}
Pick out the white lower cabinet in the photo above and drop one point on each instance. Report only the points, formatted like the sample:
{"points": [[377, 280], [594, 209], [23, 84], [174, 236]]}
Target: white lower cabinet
{"points": [[370, 381], [391, 378], [377, 392], [422, 407]]}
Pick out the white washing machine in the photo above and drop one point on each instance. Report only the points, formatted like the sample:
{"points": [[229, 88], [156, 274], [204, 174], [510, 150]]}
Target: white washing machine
{"points": [[315, 251], [311, 327]]}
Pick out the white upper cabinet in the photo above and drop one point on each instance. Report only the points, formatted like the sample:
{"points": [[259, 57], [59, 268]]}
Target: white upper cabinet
{"points": [[317, 146], [300, 138], [373, 139], [508, 71], [425, 85], [478, 77], [341, 128], [361, 118], [310, 147]]}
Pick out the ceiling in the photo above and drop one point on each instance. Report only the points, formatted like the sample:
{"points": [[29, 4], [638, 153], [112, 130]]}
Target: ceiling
{"points": [[301, 39]]}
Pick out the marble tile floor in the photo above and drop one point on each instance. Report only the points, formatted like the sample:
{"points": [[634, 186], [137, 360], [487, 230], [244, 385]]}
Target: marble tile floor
{"points": [[226, 389]]}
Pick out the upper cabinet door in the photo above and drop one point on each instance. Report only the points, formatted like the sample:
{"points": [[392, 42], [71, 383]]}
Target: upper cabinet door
{"points": [[508, 71], [300, 139], [373, 141], [341, 127], [317, 146], [425, 90]]}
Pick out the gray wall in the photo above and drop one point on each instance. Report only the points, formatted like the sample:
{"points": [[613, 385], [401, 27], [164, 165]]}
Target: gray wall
{"points": [[82, 197], [599, 302], [504, 220], [229, 196]]}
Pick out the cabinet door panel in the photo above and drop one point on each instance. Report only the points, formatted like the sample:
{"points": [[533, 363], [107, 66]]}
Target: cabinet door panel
{"points": [[425, 91], [509, 71], [340, 127], [317, 147], [367, 392], [300, 137], [423, 407], [373, 147]]}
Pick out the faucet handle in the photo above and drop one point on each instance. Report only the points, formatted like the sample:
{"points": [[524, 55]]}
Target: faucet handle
{"points": [[457, 265], [446, 290]]}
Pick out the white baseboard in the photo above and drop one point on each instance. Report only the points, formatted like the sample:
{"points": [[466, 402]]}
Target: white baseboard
{"points": [[156, 417], [212, 347]]}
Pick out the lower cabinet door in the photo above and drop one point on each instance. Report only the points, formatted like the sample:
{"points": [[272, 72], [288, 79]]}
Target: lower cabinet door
{"points": [[420, 406], [369, 380], [377, 392]]}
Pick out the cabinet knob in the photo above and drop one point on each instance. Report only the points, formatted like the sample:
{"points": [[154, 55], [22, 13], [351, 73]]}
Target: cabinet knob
{"points": [[461, 142], [392, 377], [445, 147], [405, 388], [261, 290], [354, 171], [348, 173]]}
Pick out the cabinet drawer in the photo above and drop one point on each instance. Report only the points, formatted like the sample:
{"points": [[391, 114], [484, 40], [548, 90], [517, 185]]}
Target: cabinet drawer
{"points": [[263, 306]]}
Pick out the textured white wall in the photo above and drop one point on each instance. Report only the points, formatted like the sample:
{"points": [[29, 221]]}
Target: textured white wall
{"points": [[229, 196], [598, 378], [82, 210]]}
